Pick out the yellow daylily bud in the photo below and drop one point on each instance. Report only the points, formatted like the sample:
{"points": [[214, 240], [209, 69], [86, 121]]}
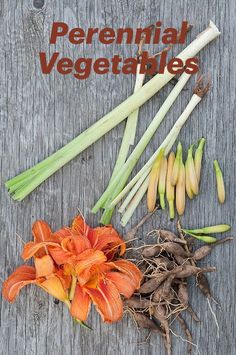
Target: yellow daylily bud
{"points": [[219, 228], [170, 190], [176, 167], [187, 184], [180, 191], [153, 182], [162, 182], [198, 158], [193, 182], [219, 182]]}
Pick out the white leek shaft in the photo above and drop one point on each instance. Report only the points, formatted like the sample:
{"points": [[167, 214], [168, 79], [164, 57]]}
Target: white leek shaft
{"points": [[132, 193], [135, 202], [132, 120], [130, 129]]}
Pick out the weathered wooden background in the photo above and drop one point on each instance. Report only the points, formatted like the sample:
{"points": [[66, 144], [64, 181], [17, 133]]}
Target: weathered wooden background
{"points": [[41, 113]]}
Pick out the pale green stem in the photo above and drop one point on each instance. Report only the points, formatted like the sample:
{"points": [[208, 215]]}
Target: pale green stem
{"points": [[174, 131], [130, 129], [135, 202], [131, 195], [171, 138], [171, 209], [125, 171]]}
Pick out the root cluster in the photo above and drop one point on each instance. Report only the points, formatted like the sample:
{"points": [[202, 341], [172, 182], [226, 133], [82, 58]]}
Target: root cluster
{"points": [[163, 295]]}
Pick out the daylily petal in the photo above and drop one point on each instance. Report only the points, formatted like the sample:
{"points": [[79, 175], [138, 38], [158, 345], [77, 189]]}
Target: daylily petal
{"points": [[89, 258], [80, 304], [62, 233], [21, 277], [68, 269], [32, 248], [44, 266], [124, 284], [76, 244], [65, 279], [86, 260], [81, 243], [54, 287], [79, 226], [68, 245], [59, 255], [70, 248], [107, 300], [94, 278], [128, 268], [105, 239], [41, 231]]}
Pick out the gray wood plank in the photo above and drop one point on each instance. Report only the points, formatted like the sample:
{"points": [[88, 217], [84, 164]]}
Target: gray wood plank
{"points": [[40, 113]]}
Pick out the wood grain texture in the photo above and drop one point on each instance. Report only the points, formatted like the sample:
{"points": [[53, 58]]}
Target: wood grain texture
{"points": [[39, 114]]}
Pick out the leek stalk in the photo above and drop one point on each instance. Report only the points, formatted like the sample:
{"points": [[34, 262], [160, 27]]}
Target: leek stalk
{"points": [[118, 183], [171, 137]]}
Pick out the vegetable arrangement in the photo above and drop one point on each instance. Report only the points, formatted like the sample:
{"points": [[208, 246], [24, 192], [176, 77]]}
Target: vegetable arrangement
{"points": [[80, 265]]}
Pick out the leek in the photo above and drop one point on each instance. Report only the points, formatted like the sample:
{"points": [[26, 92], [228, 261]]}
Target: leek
{"points": [[125, 171], [132, 193], [127, 140], [199, 92], [171, 137], [118, 183], [130, 129], [135, 202]]}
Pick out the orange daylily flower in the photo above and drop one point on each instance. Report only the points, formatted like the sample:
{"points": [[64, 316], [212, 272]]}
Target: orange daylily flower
{"points": [[76, 265], [25, 275]]}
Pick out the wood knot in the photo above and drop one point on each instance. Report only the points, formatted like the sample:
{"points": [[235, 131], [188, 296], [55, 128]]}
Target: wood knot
{"points": [[38, 4]]}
